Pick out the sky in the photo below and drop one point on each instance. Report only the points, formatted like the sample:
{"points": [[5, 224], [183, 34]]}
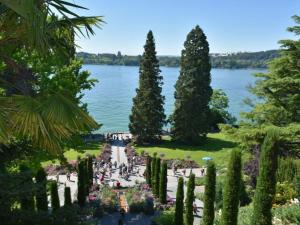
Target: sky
{"points": [[230, 25]]}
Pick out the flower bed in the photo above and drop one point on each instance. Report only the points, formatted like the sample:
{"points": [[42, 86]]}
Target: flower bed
{"points": [[109, 200], [131, 153], [61, 169], [105, 153], [140, 201]]}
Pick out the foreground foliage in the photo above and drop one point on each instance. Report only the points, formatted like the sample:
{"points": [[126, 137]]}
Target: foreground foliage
{"points": [[49, 118], [266, 182]]}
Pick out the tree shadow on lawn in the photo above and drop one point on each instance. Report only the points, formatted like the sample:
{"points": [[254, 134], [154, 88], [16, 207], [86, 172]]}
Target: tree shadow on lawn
{"points": [[88, 146], [211, 144]]}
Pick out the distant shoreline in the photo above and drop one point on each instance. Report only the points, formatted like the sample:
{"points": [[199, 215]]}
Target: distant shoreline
{"points": [[250, 68], [241, 60]]}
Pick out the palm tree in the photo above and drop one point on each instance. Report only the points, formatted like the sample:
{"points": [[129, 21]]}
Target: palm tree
{"points": [[43, 27]]}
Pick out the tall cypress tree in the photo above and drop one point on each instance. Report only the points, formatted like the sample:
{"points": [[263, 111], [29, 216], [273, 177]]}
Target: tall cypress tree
{"points": [[148, 170], [209, 195], [193, 91], [178, 218], [54, 197], [27, 195], [67, 194], [163, 183], [147, 117], [189, 216], [266, 182], [231, 194], [86, 176], [153, 164], [90, 170], [41, 194], [157, 174], [81, 193]]}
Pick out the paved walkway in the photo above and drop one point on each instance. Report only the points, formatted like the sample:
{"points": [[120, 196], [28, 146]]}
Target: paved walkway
{"points": [[118, 154]]}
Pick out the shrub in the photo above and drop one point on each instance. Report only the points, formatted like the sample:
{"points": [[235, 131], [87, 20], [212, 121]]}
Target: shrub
{"points": [[90, 170], [67, 194], [266, 181], [157, 176], [287, 170], [41, 194], [153, 169], [148, 170], [296, 183], [289, 214], [166, 217], [209, 195], [284, 193], [244, 195], [27, 195], [189, 217], [199, 181], [54, 197], [109, 199], [178, 218], [163, 183], [231, 190], [219, 195], [138, 202], [81, 190]]}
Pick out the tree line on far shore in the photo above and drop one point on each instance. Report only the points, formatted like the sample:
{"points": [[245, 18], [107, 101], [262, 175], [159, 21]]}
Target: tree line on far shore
{"points": [[237, 60]]}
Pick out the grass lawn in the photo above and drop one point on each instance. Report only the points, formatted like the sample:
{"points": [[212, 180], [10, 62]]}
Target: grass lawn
{"points": [[72, 154], [218, 147]]}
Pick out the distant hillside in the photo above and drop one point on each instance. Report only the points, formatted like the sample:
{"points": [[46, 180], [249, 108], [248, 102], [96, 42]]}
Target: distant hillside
{"points": [[228, 61]]}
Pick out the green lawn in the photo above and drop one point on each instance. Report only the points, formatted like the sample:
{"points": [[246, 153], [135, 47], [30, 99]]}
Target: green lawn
{"points": [[72, 154], [218, 147]]}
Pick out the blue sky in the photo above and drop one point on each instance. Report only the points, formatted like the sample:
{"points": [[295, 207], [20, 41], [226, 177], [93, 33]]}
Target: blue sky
{"points": [[230, 25]]}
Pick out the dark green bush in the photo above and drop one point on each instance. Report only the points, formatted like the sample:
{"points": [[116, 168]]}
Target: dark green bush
{"points": [[231, 196], [287, 170], [67, 194], [209, 195], [41, 193], [54, 197]]}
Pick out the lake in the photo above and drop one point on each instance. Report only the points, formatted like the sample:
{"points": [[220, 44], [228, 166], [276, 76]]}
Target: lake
{"points": [[110, 101]]}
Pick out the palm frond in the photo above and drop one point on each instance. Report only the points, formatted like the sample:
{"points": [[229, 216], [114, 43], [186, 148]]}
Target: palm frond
{"points": [[48, 121], [34, 21]]}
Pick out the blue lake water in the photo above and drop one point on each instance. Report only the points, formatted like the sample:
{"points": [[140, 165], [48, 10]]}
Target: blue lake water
{"points": [[110, 101]]}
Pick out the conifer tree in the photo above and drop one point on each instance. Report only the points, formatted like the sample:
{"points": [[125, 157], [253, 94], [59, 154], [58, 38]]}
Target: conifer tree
{"points": [[90, 170], [266, 182], [81, 193], [178, 218], [231, 194], [86, 176], [27, 197], [54, 197], [67, 194], [157, 174], [209, 195], [41, 194], [147, 117], [189, 216], [163, 183], [153, 164], [148, 170], [190, 120]]}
